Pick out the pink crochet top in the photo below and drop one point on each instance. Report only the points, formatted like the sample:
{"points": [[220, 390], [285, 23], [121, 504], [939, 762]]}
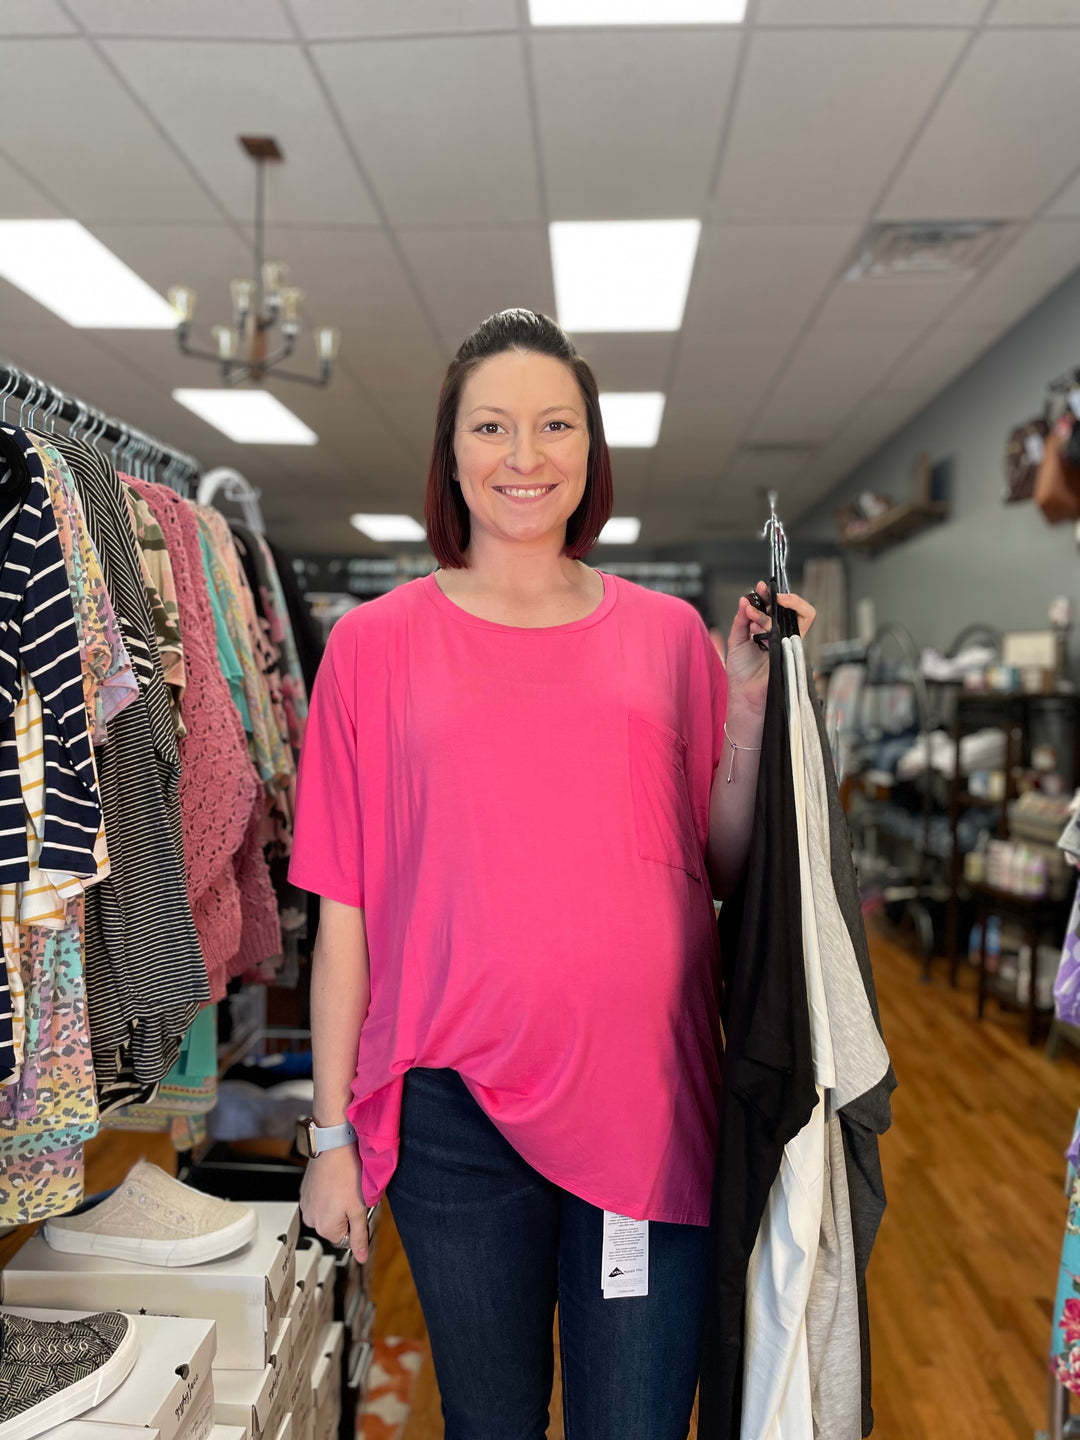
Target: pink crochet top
{"points": [[218, 784]]}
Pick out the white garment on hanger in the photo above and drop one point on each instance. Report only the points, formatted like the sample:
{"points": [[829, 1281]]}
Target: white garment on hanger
{"points": [[776, 1368]]}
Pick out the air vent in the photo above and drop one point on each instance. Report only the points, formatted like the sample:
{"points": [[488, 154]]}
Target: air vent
{"points": [[925, 250]]}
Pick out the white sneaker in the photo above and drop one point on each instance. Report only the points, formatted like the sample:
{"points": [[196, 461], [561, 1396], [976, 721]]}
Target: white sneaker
{"points": [[154, 1220], [51, 1371]]}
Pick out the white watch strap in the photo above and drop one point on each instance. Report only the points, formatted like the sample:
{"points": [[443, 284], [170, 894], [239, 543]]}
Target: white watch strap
{"points": [[332, 1137]]}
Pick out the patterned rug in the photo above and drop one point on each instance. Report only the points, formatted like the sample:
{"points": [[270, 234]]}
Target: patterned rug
{"points": [[391, 1382]]}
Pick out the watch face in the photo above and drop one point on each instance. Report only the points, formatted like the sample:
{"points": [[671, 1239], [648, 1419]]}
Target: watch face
{"points": [[305, 1138]]}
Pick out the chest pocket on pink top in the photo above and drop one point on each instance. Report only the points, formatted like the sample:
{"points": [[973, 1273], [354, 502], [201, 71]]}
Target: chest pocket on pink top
{"points": [[659, 783]]}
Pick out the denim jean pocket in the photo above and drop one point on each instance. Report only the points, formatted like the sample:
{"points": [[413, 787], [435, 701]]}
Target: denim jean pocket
{"points": [[659, 784]]}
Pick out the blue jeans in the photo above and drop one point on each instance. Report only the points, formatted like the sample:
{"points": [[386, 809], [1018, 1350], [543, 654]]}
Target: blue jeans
{"points": [[493, 1245]]}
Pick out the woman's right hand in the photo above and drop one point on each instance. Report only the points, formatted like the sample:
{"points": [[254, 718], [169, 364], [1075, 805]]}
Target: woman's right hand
{"points": [[331, 1200]]}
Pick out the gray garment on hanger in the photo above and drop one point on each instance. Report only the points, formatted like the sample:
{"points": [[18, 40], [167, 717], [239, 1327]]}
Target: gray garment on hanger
{"points": [[833, 1334], [861, 1061], [871, 1114]]}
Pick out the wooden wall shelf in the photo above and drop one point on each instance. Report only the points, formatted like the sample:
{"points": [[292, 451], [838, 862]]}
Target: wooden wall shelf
{"points": [[900, 523]]}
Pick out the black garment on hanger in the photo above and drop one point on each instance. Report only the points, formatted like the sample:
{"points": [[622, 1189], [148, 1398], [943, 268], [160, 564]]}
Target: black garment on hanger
{"points": [[870, 1115], [768, 1090], [250, 558]]}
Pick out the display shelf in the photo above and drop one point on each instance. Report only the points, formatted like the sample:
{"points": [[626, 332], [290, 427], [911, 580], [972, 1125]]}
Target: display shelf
{"points": [[901, 523]]}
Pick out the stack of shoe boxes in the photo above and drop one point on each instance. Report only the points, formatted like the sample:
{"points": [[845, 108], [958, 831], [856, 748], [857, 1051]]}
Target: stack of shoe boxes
{"points": [[242, 1302], [306, 1331], [326, 1383]]}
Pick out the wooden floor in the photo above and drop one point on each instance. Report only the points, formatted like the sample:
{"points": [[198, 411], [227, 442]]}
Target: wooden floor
{"points": [[962, 1280]]}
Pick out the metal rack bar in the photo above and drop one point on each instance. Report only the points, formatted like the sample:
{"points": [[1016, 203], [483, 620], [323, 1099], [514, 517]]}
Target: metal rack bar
{"points": [[142, 450]]}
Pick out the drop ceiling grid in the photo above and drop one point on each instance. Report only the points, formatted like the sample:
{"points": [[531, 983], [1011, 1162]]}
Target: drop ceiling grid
{"points": [[414, 285]]}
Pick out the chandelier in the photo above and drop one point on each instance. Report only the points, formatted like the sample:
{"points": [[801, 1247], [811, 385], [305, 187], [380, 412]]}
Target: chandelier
{"points": [[266, 311]]}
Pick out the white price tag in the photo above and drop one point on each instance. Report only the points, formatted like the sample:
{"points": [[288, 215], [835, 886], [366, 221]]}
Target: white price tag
{"points": [[625, 1257]]}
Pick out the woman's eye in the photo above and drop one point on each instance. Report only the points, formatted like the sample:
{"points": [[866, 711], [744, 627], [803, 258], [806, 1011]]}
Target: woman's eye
{"points": [[558, 425], [489, 427]]}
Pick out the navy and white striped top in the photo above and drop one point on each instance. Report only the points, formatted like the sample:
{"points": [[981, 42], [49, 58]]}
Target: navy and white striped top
{"points": [[38, 631]]}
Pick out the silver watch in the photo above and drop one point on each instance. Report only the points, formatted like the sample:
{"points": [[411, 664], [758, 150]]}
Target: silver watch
{"points": [[312, 1139]]}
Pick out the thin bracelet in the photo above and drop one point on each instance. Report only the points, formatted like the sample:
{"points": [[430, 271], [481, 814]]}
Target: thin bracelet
{"points": [[734, 751]]}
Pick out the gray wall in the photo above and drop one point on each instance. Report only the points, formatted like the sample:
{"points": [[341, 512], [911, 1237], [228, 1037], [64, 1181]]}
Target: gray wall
{"points": [[988, 561]]}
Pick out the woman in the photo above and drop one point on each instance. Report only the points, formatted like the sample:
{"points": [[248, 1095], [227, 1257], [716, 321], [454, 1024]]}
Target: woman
{"points": [[516, 790]]}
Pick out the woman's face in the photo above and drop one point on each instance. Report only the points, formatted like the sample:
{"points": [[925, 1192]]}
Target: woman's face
{"points": [[522, 446]]}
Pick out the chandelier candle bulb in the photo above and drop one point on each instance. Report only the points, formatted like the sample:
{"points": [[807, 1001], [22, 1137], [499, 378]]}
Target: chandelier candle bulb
{"points": [[327, 343], [226, 340], [241, 298], [182, 299]]}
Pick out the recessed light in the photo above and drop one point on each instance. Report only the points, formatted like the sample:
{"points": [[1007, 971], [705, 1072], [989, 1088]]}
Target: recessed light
{"points": [[621, 530], [388, 527], [632, 418], [619, 275], [250, 417], [637, 12], [62, 266]]}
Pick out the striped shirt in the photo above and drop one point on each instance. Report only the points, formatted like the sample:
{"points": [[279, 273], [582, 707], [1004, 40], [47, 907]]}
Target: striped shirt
{"points": [[38, 632], [145, 975]]}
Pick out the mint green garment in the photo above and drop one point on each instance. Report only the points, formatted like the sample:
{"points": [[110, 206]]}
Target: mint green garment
{"points": [[227, 656]]}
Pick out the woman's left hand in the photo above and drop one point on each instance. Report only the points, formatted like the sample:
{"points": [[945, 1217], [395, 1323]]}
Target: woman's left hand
{"points": [[747, 665]]}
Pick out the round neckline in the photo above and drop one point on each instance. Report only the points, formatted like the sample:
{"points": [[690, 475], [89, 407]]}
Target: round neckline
{"points": [[450, 607]]}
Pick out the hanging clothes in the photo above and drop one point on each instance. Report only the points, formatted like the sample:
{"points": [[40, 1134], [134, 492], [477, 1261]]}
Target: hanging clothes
{"points": [[768, 1093], [864, 1119], [159, 582], [37, 630], [217, 783], [146, 978]]}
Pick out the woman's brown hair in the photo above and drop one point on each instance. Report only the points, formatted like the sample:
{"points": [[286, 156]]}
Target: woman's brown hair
{"points": [[445, 510]]}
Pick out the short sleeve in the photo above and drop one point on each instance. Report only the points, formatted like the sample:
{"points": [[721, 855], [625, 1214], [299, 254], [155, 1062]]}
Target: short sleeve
{"points": [[328, 847]]}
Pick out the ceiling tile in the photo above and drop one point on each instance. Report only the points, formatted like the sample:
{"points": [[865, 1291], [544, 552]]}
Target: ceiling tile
{"points": [[205, 256], [1041, 258], [468, 274], [107, 164], [629, 361], [612, 116], [253, 90], [881, 304], [195, 19], [763, 276], [936, 363], [829, 375], [988, 151], [20, 198], [460, 149], [869, 12], [805, 143], [34, 17], [350, 277], [355, 19], [1035, 12], [1068, 202]]}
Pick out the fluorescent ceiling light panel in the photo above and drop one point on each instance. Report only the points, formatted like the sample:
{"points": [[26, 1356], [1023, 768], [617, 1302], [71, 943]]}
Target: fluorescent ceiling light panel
{"points": [[632, 419], [250, 417], [621, 530], [621, 275], [637, 12], [389, 527], [62, 266]]}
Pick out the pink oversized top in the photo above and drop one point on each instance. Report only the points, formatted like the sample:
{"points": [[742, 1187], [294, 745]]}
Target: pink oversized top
{"points": [[522, 815]]}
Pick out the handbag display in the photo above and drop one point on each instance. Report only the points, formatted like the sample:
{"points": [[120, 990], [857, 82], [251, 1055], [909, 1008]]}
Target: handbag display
{"points": [[1024, 453], [1057, 485]]}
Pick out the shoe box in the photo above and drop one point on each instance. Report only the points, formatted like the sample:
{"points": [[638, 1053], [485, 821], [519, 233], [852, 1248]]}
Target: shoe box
{"points": [[326, 1381], [324, 1292], [169, 1394], [257, 1400], [248, 1293], [304, 1311]]}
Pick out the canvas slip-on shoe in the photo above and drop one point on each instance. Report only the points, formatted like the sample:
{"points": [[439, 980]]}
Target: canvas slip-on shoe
{"points": [[54, 1370], [152, 1219]]}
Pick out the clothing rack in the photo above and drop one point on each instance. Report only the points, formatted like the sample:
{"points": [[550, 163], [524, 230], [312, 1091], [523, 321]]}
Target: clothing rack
{"points": [[139, 453], [237, 488]]}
